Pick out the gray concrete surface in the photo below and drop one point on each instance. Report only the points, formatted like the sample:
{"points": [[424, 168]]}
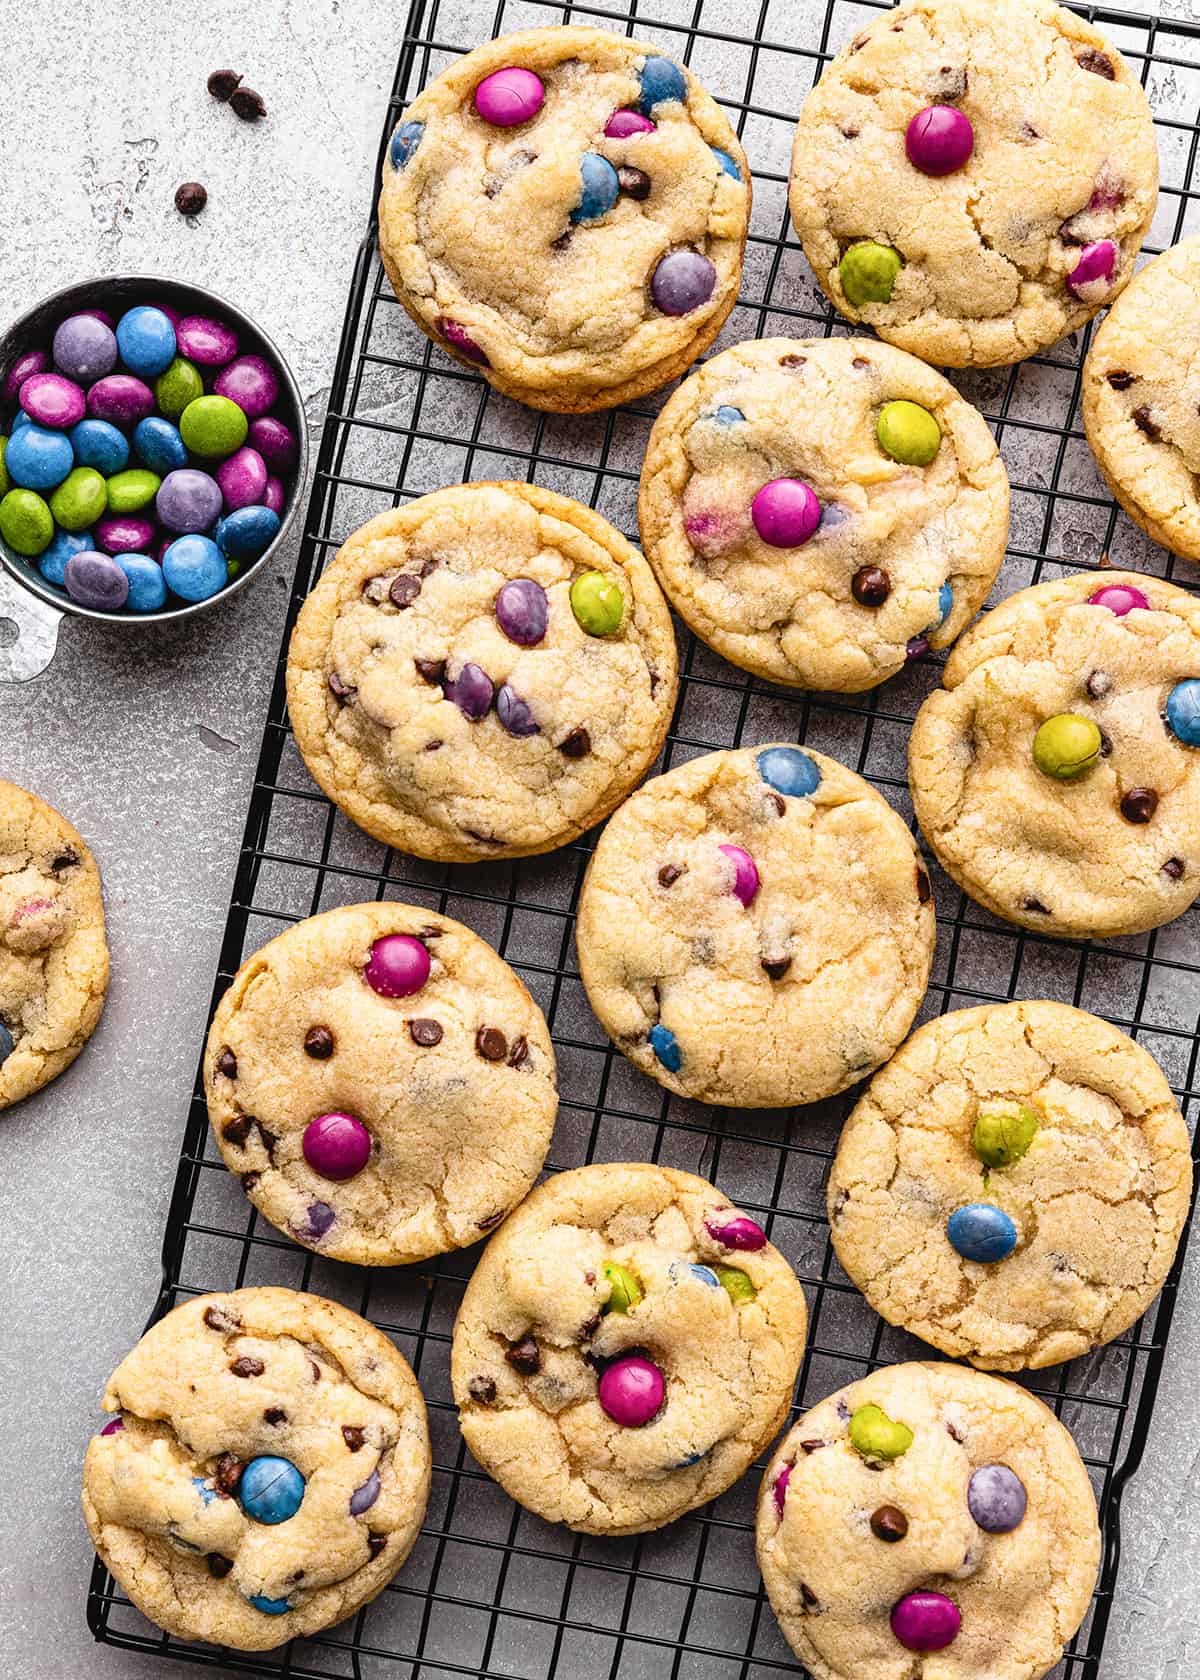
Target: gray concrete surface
{"points": [[149, 743]]}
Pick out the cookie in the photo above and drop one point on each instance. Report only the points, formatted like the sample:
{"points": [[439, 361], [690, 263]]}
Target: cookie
{"points": [[382, 1083], [565, 211], [755, 928], [821, 511], [928, 1509], [1056, 775], [1139, 407], [53, 954], [266, 1471], [1013, 1185], [483, 673], [974, 180], [626, 1348]]}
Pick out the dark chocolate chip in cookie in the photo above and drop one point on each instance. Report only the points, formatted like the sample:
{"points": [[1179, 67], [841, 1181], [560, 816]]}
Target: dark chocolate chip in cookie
{"points": [[227, 1064], [1120, 380], [221, 1321], [525, 1356], [432, 671], [1145, 422], [319, 1043], [404, 590], [1036, 907], [1139, 805], [491, 1044], [669, 874], [425, 1032], [1174, 867], [274, 1415], [354, 1436], [924, 889], [218, 1565], [519, 1054], [375, 1544], [577, 744], [792, 361], [870, 586], [482, 1390], [776, 967], [237, 1131], [889, 1523], [634, 183], [247, 1367], [66, 859], [1097, 62]]}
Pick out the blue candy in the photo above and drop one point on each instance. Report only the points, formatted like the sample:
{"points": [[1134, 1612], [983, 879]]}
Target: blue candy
{"points": [[728, 164], [37, 458], [692, 1458], [663, 1043], [270, 1606], [790, 771], [147, 586], [981, 1231], [205, 1489], [52, 561], [405, 141], [1183, 702], [195, 568], [600, 188], [146, 340], [247, 532], [159, 445], [945, 605], [706, 1275], [271, 1489], [20, 418], [97, 444], [7, 1043], [727, 415], [662, 82]]}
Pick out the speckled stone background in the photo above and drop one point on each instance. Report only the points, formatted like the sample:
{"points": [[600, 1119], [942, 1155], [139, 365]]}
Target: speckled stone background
{"points": [[148, 742]]}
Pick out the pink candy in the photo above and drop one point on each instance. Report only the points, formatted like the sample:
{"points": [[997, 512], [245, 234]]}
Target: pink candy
{"points": [[624, 123], [33, 361], [398, 966], [273, 496], [737, 1232], [1096, 266], [207, 342], [460, 339], [631, 1391], [509, 97], [124, 533], [745, 873], [51, 400], [121, 399], [275, 442], [243, 479], [785, 512], [1119, 598], [336, 1145], [113, 1426], [250, 382], [781, 1486], [926, 1621]]}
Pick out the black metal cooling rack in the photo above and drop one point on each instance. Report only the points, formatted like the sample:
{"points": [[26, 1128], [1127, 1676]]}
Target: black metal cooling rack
{"points": [[489, 1590]]}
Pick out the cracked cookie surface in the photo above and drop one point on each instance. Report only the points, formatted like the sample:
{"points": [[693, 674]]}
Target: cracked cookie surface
{"points": [[541, 1321], [370, 681], [839, 610], [53, 953], [1115, 850], [219, 1383], [449, 1089], [833, 1581], [536, 250], [1098, 1197], [1140, 399], [777, 977], [1064, 161]]}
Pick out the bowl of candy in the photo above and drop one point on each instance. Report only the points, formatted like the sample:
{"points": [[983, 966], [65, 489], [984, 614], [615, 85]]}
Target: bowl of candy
{"points": [[153, 449]]}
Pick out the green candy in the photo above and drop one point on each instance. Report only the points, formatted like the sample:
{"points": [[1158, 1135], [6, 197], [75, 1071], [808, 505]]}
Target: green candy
{"points": [[597, 603], [26, 523], [625, 1292], [79, 500], [213, 426], [1003, 1132], [874, 1435], [180, 385], [908, 433], [735, 1283], [868, 272], [132, 490], [1066, 746], [5, 481]]}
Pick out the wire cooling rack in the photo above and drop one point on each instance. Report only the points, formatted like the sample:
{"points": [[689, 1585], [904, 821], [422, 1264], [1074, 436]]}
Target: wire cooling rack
{"points": [[491, 1591]]}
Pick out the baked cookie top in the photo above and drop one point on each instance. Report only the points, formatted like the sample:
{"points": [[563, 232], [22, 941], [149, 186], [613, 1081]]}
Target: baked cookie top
{"points": [[382, 1083], [928, 1509], [482, 673], [1141, 406], [626, 1348], [1013, 1185], [755, 928], [820, 511], [566, 209], [266, 1471], [1056, 774], [53, 954], [974, 180]]}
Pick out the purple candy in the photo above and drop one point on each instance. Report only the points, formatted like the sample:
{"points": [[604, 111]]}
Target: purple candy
{"points": [[460, 338], [204, 341], [243, 479], [926, 1621], [631, 1391], [471, 691], [33, 361], [1119, 598], [737, 1232], [93, 580], [939, 140], [274, 496], [398, 966], [785, 512], [336, 1145], [916, 648], [121, 399], [624, 123], [275, 442], [51, 400], [522, 611], [124, 533], [188, 500], [1096, 266], [85, 349], [319, 1217], [745, 873], [996, 1498], [781, 1487], [683, 281], [365, 1496], [509, 97], [250, 382], [514, 713], [113, 1426]]}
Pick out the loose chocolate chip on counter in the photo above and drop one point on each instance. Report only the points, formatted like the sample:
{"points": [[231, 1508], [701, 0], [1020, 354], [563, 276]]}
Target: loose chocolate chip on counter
{"points": [[340, 690], [634, 183], [812, 1446], [404, 590], [870, 586], [482, 1389], [1119, 379], [1098, 684], [924, 889], [491, 1044], [1036, 907], [190, 198], [218, 1565], [525, 1356], [1174, 867], [669, 874], [577, 744], [318, 1043], [66, 859], [519, 1054], [219, 1320], [425, 1032], [247, 104], [776, 967], [247, 1367], [432, 671], [353, 1436], [237, 1131], [1139, 805], [227, 1064], [1097, 62], [375, 1544], [222, 83], [1145, 422], [228, 1473], [274, 1415], [889, 1523]]}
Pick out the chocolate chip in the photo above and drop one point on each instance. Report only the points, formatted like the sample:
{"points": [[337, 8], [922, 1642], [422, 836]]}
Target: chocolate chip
{"points": [[491, 1044], [274, 1415], [482, 1389], [792, 361], [588, 1330], [340, 690], [247, 104], [1120, 380], [1174, 867], [1097, 62], [269, 1140], [669, 874], [1098, 684], [776, 967], [563, 240], [318, 1043], [218, 1565], [249, 1180], [860, 362], [953, 1432], [812, 1446], [375, 1544], [227, 1064], [478, 834], [808, 1595], [1036, 907], [924, 890], [577, 744], [851, 133], [432, 746], [525, 1356], [237, 1131], [889, 1523], [222, 83], [431, 670], [870, 586], [1028, 132], [1144, 422], [431, 932], [219, 1320], [869, 1465], [353, 1436], [190, 198], [425, 1032], [1105, 744], [66, 859], [404, 590], [1139, 805], [634, 183], [228, 1473], [316, 1370], [519, 1054], [775, 801], [247, 1367], [492, 1219]]}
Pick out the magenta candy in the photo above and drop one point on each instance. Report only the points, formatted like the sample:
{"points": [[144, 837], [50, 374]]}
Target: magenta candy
{"points": [[33, 361], [204, 341], [509, 97], [113, 1425], [336, 1145], [624, 123], [51, 400], [1096, 266], [250, 382], [274, 496], [169, 310], [781, 1486], [926, 1621], [631, 1390], [939, 140], [736, 1232], [243, 479], [398, 966], [785, 512], [461, 339], [121, 399], [1119, 598], [275, 442], [745, 873], [124, 533], [103, 315]]}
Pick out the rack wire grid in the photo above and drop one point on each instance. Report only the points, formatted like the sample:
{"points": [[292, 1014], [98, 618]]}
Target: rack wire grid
{"points": [[490, 1590]]}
